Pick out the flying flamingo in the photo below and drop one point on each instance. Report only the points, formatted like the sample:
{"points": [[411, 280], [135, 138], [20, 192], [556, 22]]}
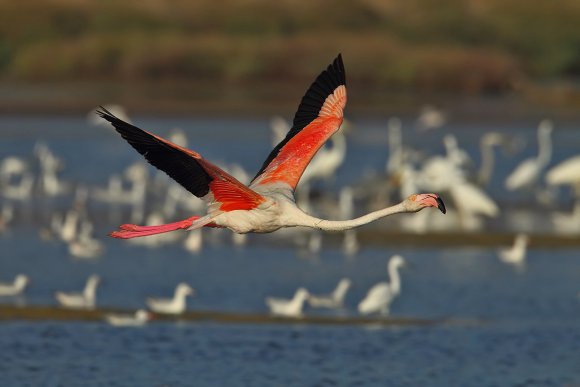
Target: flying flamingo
{"points": [[267, 204]]}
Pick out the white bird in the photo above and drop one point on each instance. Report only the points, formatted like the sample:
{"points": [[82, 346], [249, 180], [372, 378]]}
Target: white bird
{"points": [[334, 300], [139, 318], [456, 155], [430, 118], [395, 140], [350, 245], [50, 165], [486, 144], [16, 181], [440, 173], [6, 216], [70, 225], [528, 172], [568, 173], [85, 246], [175, 305], [515, 255], [288, 308], [194, 241], [14, 288], [567, 223], [84, 300], [380, 296]]}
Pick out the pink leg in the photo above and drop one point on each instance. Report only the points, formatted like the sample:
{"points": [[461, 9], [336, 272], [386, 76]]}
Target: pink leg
{"points": [[127, 231]]}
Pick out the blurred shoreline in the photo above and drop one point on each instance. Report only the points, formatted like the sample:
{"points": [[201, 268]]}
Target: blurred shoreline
{"points": [[263, 100]]}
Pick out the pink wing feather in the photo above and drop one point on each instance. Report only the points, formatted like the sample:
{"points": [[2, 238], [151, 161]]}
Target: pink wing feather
{"points": [[319, 116]]}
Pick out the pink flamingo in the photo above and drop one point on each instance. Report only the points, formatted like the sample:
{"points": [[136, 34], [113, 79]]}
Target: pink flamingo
{"points": [[267, 204]]}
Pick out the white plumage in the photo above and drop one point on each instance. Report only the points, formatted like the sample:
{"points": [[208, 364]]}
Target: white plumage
{"points": [[175, 305], [14, 288], [515, 255], [334, 300], [528, 172], [84, 300], [380, 296], [139, 318], [288, 308]]}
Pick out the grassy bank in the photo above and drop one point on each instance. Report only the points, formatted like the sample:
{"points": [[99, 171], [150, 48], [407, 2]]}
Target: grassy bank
{"points": [[471, 47]]}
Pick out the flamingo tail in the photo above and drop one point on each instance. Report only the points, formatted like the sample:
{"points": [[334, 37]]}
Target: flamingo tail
{"points": [[128, 231]]}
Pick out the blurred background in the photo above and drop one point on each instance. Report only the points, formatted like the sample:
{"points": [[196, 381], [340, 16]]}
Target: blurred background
{"points": [[475, 100], [247, 56]]}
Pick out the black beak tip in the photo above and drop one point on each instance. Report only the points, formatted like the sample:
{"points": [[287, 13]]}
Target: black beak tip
{"points": [[441, 205]]}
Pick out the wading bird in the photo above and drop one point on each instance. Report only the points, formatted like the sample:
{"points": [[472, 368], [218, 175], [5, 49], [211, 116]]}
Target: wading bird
{"points": [[516, 255], [268, 203], [85, 300], [289, 308], [14, 288], [334, 300], [137, 319], [175, 305], [380, 296]]}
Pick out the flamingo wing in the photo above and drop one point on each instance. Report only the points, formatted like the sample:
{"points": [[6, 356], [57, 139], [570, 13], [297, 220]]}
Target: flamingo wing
{"points": [[319, 115], [197, 175]]}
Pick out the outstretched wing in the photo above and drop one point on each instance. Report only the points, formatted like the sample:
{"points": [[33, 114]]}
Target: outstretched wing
{"points": [[319, 115], [198, 176]]}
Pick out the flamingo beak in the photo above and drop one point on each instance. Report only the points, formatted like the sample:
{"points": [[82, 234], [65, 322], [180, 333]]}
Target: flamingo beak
{"points": [[441, 205], [432, 200]]}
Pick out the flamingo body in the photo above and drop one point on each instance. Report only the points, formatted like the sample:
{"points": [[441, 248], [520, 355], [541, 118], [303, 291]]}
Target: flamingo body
{"points": [[267, 204]]}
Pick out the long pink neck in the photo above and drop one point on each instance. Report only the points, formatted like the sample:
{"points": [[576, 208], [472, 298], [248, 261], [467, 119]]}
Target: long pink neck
{"points": [[341, 225]]}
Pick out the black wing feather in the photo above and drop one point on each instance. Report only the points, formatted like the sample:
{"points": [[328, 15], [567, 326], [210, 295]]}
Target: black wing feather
{"points": [[311, 103], [180, 166]]}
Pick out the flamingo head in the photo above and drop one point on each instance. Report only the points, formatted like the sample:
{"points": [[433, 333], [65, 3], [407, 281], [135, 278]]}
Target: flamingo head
{"points": [[417, 202]]}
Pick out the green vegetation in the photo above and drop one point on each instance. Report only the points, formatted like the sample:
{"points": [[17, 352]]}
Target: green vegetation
{"points": [[459, 46]]}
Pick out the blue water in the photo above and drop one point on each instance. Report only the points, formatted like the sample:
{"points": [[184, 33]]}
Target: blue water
{"points": [[530, 333], [230, 355]]}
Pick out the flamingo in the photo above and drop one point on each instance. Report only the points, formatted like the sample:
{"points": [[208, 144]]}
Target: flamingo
{"points": [[268, 203]]}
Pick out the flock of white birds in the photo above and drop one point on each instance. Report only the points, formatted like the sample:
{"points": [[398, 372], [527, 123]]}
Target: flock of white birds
{"points": [[405, 172]]}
